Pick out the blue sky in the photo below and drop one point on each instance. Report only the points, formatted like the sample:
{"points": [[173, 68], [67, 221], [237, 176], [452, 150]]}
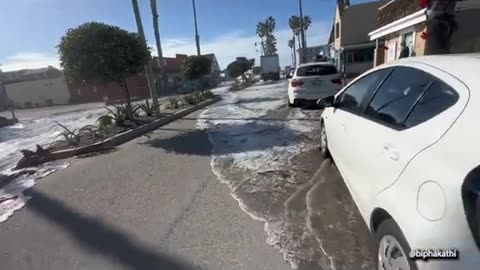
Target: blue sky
{"points": [[30, 29]]}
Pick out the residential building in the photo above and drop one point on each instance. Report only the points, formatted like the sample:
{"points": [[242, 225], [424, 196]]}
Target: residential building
{"points": [[350, 44], [173, 66], [30, 88], [405, 21]]}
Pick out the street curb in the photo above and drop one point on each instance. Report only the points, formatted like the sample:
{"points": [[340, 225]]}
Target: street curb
{"points": [[128, 135]]}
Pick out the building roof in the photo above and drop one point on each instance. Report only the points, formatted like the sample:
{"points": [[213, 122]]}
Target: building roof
{"points": [[358, 21], [23, 75], [394, 10]]}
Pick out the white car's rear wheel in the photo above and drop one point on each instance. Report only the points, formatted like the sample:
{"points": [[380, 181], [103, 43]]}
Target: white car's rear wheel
{"points": [[392, 248], [324, 141]]}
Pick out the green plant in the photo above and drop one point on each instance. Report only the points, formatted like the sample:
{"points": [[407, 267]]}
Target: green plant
{"points": [[208, 94], [190, 99], [199, 96], [119, 115], [97, 52], [239, 67], [174, 102], [105, 121], [147, 108], [71, 137]]}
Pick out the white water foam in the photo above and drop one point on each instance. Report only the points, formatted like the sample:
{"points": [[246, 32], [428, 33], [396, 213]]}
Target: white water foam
{"points": [[238, 135], [12, 194]]}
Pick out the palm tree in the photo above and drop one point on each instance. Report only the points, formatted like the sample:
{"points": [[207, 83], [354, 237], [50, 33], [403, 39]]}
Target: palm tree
{"points": [[262, 32], [307, 22], [440, 26], [163, 79], [291, 45], [294, 23], [271, 41]]}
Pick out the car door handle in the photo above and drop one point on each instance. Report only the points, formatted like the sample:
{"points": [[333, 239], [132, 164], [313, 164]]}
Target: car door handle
{"points": [[391, 152]]}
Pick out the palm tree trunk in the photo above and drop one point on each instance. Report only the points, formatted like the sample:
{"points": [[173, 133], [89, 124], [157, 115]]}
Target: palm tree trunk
{"points": [[294, 53], [263, 47], [148, 69], [440, 26], [129, 101], [153, 5]]}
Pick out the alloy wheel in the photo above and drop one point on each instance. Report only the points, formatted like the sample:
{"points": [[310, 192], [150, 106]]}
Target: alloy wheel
{"points": [[323, 140], [391, 255]]}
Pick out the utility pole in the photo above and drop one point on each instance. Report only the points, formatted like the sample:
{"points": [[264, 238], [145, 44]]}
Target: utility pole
{"points": [[197, 37], [161, 64], [148, 70], [302, 29]]}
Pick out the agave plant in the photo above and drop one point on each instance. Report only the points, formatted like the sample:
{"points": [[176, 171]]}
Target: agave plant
{"points": [[208, 94], [147, 108], [71, 137], [119, 115], [190, 99], [105, 121], [174, 102]]}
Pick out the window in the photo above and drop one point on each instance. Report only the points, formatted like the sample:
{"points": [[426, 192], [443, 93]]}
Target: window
{"points": [[317, 70], [350, 57], [337, 30], [354, 98], [397, 95], [437, 99]]}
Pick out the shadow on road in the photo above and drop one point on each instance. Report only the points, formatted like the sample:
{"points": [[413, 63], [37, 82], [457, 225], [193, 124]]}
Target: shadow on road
{"points": [[192, 142], [228, 139], [99, 237], [257, 100]]}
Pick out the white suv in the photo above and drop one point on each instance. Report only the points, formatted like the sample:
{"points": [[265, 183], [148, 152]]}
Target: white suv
{"points": [[406, 140], [312, 81]]}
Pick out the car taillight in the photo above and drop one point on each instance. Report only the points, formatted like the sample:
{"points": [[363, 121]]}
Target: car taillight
{"points": [[336, 81], [471, 202], [296, 83]]}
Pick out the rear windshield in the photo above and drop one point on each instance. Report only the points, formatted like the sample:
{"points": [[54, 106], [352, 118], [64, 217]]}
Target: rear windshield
{"points": [[317, 70]]}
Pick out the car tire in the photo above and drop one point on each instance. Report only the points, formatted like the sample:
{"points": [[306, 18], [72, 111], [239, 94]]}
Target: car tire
{"points": [[324, 141], [389, 239], [291, 105]]}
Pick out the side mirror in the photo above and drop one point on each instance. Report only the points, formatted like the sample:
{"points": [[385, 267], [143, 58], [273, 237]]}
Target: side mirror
{"points": [[325, 102], [288, 76]]}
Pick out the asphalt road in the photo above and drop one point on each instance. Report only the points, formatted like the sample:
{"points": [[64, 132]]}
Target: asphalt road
{"points": [[140, 207]]}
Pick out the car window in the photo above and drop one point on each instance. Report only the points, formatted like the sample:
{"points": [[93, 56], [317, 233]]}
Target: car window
{"points": [[437, 99], [395, 98], [316, 70], [353, 98]]}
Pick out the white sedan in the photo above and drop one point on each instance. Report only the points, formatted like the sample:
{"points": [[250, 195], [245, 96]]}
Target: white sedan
{"points": [[312, 81], [406, 140]]}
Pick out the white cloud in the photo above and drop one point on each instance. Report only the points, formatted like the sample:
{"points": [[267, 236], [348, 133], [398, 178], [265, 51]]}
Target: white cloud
{"points": [[226, 47], [230, 45], [29, 60]]}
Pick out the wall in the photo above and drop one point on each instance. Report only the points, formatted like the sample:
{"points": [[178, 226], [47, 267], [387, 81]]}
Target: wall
{"points": [[392, 42], [39, 92], [91, 92], [419, 41], [338, 41], [355, 69]]}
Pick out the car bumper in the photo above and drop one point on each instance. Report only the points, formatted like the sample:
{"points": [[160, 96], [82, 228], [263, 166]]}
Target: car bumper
{"points": [[312, 97]]}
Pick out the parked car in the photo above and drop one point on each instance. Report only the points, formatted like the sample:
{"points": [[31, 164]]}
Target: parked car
{"points": [[312, 81], [405, 139], [290, 73]]}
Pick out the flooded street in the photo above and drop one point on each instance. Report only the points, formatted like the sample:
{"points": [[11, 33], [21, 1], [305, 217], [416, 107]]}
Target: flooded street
{"points": [[267, 155]]}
